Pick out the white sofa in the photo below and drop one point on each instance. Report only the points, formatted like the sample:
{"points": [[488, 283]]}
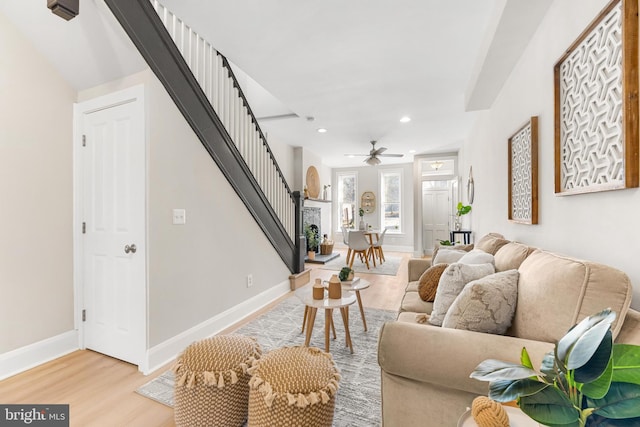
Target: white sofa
{"points": [[425, 369]]}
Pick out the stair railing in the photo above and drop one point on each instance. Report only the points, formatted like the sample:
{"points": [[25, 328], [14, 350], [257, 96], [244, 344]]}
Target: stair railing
{"points": [[217, 80]]}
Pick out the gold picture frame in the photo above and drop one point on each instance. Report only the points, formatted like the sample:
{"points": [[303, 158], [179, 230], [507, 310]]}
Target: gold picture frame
{"points": [[368, 202]]}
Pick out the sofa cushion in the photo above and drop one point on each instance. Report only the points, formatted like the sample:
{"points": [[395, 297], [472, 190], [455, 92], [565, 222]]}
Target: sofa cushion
{"points": [[491, 243], [428, 282], [412, 302], [451, 283], [485, 305], [412, 287], [511, 255], [555, 292], [476, 256], [448, 256]]}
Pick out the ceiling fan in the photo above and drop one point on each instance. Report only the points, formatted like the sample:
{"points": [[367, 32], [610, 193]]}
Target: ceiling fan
{"points": [[372, 158]]}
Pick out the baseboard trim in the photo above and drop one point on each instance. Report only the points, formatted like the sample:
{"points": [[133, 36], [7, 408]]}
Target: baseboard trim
{"points": [[32, 355], [166, 351]]}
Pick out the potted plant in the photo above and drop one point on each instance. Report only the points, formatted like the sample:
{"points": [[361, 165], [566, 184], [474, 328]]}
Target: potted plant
{"points": [[312, 241], [445, 242], [324, 191], [345, 274], [461, 210], [586, 381]]}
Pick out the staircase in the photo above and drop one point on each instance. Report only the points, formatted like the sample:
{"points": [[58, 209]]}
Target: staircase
{"points": [[205, 90]]}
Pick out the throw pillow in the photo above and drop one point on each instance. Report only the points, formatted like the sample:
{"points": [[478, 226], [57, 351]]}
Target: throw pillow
{"points": [[447, 256], [428, 282], [451, 284], [485, 305], [476, 256], [438, 246], [491, 243]]}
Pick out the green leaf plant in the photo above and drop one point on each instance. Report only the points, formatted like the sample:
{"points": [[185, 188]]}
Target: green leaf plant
{"points": [[586, 381], [462, 209]]}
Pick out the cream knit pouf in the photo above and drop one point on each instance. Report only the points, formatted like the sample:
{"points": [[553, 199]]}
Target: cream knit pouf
{"points": [[211, 381], [293, 386]]}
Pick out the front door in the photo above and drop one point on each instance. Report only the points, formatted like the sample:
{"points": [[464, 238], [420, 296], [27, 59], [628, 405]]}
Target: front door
{"points": [[435, 213], [113, 237]]}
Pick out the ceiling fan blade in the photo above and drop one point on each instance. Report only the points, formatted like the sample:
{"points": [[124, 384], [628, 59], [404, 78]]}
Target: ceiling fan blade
{"points": [[379, 151], [357, 155], [391, 155]]}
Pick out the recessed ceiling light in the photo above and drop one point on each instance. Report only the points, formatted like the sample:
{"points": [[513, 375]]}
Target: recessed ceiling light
{"points": [[405, 119], [412, 151], [322, 130]]}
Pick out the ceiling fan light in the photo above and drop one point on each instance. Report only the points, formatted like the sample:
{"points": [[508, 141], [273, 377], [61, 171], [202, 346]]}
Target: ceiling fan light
{"points": [[373, 161]]}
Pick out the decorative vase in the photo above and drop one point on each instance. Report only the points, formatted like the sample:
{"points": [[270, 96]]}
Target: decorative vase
{"points": [[318, 289], [324, 194], [335, 287], [457, 224], [311, 255], [362, 225]]}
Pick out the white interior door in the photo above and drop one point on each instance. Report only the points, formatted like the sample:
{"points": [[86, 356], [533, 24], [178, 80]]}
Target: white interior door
{"points": [[114, 239], [435, 215]]}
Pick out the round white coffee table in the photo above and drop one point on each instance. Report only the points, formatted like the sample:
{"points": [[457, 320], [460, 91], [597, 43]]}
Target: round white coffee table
{"points": [[355, 286], [328, 304]]}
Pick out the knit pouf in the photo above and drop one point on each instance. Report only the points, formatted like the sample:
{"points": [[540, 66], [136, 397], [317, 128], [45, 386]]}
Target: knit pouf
{"points": [[293, 386], [212, 383]]}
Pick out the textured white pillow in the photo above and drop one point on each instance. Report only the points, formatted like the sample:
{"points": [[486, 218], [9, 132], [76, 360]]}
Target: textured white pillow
{"points": [[477, 256], [485, 305], [448, 256], [451, 284]]}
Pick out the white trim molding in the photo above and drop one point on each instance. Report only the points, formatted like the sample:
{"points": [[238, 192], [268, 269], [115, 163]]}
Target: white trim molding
{"points": [[166, 351], [32, 355]]}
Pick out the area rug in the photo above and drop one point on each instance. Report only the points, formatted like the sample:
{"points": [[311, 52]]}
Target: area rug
{"points": [[389, 267], [358, 399]]}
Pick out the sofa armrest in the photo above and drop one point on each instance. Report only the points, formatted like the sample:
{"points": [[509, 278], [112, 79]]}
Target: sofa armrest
{"points": [[446, 357], [416, 267]]}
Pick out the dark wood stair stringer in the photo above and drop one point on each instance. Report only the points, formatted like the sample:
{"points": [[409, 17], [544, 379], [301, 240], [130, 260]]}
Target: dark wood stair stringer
{"points": [[144, 27]]}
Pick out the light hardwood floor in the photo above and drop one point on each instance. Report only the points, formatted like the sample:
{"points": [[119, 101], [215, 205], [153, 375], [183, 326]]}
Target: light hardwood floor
{"points": [[101, 390]]}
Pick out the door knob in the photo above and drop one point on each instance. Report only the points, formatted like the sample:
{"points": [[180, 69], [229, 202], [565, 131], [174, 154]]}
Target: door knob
{"points": [[131, 249]]}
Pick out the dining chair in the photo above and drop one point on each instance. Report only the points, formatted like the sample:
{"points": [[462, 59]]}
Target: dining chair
{"points": [[345, 240], [358, 244], [377, 246]]}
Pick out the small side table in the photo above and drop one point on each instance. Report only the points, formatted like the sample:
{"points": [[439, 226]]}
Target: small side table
{"points": [[356, 286], [328, 304], [466, 235]]}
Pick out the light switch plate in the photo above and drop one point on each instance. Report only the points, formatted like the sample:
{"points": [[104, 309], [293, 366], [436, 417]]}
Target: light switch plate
{"points": [[179, 216]]}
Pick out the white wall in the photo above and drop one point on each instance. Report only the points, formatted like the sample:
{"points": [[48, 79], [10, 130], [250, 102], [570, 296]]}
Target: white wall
{"points": [[36, 247], [597, 226], [368, 180], [196, 271]]}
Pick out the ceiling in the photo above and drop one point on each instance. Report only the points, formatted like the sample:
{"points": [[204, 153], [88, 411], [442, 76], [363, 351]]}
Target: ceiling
{"points": [[354, 68]]}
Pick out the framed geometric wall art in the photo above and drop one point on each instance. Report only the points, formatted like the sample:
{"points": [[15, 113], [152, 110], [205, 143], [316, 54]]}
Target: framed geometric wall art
{"points": [[596, 105], [523, 174]]}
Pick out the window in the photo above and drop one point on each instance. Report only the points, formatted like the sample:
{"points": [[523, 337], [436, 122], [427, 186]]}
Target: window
{"points": [[347, 203], [391, 201]]}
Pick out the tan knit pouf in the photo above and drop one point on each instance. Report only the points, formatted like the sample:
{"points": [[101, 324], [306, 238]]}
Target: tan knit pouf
{"points": [[212, 383], [293, 386]]}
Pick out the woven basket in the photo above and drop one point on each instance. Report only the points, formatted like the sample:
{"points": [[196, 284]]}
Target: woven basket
{"points": [[212, 382], [326, 248], [293, 386]]}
